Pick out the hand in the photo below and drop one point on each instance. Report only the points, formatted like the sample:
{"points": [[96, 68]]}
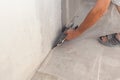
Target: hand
{"points": [[71, 34]]}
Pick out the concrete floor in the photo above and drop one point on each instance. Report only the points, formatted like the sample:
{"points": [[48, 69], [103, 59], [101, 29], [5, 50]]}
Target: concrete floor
{"points": [[84, 58]]}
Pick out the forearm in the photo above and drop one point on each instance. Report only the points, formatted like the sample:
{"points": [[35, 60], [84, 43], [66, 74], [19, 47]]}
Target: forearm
{"points": [[93, 16]]}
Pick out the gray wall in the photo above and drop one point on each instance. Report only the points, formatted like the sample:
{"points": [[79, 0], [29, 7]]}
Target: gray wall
{"points": [[69, 10], [50, 18]]}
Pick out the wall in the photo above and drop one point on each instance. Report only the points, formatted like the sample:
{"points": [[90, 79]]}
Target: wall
{"points": [[69, 9], [27, 31], [50, 17]]}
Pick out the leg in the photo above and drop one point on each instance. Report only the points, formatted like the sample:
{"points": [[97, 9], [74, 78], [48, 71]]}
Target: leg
{"points": [[105, 39], [110, 40]]}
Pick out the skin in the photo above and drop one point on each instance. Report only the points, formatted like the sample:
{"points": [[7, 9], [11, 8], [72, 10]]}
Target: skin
{"points": [[93, 16]]}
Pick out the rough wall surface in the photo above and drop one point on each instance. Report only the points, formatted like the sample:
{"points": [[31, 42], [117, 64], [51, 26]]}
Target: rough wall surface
{"points": [[22, 46]]}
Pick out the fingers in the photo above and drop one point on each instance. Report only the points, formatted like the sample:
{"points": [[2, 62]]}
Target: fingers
{"points": [[70, 30], [70, 34]]}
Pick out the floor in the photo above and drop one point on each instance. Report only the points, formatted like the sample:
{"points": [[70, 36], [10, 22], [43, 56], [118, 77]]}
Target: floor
{"points": [[83, 58]]}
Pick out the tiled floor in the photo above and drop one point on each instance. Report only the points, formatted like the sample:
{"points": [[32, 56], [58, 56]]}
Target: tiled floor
{"points": [[84, 58]]}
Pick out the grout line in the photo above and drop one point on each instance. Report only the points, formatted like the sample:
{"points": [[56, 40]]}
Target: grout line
{"points": [[99, 68], [40, 65]]}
